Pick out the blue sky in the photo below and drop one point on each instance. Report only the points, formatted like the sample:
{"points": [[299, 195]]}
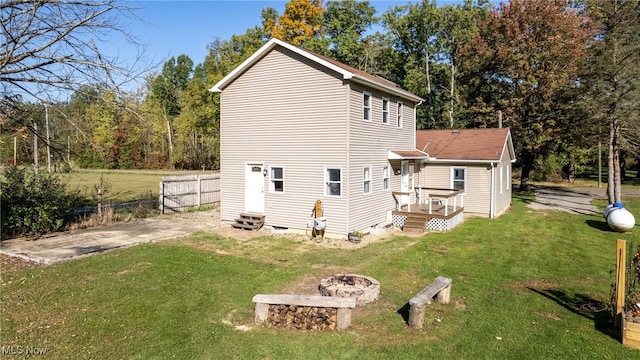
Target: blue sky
{"points": [[173, 27]]}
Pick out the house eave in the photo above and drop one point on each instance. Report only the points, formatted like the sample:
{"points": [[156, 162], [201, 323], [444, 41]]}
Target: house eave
{"points": [[389, 89], [461, 161], [391, 155], [260, 53]]}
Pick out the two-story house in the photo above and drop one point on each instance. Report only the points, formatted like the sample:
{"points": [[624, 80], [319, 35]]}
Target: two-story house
{"points": [[297, 127]]}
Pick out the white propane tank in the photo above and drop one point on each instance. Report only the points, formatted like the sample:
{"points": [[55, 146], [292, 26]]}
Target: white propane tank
{"points": [[619, 218]]}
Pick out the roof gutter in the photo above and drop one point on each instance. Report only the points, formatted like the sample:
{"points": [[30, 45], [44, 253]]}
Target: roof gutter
{"points": [[459, 161], [393, 90]]}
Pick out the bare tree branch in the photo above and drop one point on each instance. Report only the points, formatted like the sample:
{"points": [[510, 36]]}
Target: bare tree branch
{"points": [[49, 48]]}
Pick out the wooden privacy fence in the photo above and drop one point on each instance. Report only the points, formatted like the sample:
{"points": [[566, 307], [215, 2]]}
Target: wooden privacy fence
{"points": [[184, 192]]}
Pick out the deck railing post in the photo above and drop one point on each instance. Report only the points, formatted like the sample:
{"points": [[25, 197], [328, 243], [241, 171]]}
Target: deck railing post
{"points": [[446, 207]]}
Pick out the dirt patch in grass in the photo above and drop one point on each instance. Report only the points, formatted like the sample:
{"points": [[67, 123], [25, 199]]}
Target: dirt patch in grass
{"points": [[12, 264], [548, 315], [527, 286]]}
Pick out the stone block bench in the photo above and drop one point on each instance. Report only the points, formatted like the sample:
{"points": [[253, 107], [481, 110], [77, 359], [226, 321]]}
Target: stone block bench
{"points": [[440, 288], [343, 306]]}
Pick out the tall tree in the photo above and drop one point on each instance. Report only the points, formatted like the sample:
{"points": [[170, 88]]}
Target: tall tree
{"points": [[527, 54], [301, 20], [456, 29], [167, 89], [52, 45], [345, 25], [612, 82], [414, 29]]}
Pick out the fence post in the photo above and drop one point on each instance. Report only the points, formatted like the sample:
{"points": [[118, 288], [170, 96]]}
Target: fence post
{"points": [[162, 196], [198, 179], [621, 282]]}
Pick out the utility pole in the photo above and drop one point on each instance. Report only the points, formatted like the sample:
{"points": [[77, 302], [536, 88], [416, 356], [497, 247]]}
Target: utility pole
{"points": [[35, 146], [46, 122]]}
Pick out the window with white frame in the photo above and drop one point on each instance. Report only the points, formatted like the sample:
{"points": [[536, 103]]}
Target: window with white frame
{"points": [[501, 183], [333, 181], [366, 179], [458, 178], [385, 177], [400, 115], [366, 105], [276, 181], [385, 111]]}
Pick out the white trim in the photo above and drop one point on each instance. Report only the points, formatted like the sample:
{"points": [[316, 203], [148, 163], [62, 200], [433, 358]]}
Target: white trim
{"points": [[326, 181], [457, 161], [390, 89], [365, 107], [508, 174], [346, 75], [386, 99], [400, 115], [263, 51], [386, 176], [393, 156], [271, 180], [364, 179], [452, 176]]}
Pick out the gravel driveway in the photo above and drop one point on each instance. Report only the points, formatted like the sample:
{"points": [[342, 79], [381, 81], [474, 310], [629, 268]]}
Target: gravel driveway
{"points": [[572, 200]]}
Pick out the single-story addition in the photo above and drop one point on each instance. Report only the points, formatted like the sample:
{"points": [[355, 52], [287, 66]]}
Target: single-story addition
{"points": [[297, 127], [478, 161]]}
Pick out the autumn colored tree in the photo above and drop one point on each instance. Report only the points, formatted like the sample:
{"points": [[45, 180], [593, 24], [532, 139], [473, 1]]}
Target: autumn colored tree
{"points": [[525, 57], [301, 20]]}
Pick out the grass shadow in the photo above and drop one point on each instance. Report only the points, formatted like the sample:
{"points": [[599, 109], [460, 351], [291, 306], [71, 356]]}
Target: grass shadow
{"points": [[404, 312], [584, 306], [599, 224]]}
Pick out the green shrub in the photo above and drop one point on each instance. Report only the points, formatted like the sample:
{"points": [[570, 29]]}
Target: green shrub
{"points": [[33, 203]]}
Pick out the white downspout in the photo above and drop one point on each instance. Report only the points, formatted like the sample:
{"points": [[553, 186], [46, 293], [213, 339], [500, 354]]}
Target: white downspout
{"points": [[347, 180]]}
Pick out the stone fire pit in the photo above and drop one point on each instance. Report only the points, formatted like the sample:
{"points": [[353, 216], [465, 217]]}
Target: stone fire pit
{"points": [[363, 288]]}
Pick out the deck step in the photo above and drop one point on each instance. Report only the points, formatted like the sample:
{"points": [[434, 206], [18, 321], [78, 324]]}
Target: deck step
{"points": [[249, 221], [416, 222]]}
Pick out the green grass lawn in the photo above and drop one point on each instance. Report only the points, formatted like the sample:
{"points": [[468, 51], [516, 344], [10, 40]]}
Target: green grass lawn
{"points": [[528, 285], [123, 185]]}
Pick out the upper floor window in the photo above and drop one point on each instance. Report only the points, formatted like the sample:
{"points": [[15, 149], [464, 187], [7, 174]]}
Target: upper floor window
{"points": [[276, 183], [333, 181], [458, 178], [366, 105], [366, 178], [385, 111], [400, 114]]}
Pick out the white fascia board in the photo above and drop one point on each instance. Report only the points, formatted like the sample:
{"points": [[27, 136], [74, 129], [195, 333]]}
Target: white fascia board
{"points": [[218, 87], [457, 161], [393, 156], [389, 89]]}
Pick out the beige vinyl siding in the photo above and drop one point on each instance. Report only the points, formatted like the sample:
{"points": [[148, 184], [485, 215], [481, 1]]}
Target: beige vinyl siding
{"points": [[477, 198], [289, 112], [503, 201], [369, 143]]}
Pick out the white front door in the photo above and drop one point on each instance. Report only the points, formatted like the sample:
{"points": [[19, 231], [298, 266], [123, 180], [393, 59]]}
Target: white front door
{"points": [[254, 188], [404, 182]]}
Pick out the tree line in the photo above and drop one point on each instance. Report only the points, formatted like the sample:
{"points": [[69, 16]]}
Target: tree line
{"points": [[563, 75]]}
